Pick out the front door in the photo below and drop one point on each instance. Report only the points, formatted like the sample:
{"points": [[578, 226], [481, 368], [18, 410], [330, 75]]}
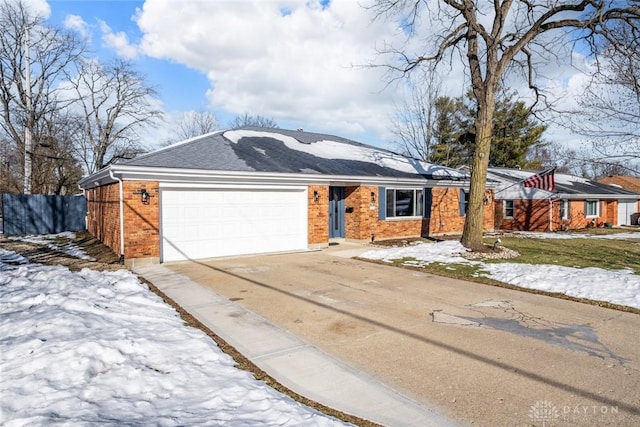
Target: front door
{"points": [[336, 212]]}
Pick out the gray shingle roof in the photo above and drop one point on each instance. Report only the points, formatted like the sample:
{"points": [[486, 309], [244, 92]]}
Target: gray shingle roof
{"points": [[253, 149], [565, 184]]}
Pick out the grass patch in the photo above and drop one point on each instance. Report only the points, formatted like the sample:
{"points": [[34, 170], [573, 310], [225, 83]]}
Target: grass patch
{"points": [[604, 253]]}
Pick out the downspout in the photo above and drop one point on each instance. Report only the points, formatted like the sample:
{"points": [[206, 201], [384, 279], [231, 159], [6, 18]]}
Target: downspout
{"points": [[121, 197], [86, 217], [550, 214]]}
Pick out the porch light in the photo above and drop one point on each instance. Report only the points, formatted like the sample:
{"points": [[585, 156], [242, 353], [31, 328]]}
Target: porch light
{"points": [[144, 195], [316, 196], [373, 197]]}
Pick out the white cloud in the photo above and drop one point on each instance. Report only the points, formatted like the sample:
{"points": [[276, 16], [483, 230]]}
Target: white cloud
{"points": [[77, 24], [40, 7], [119, 42], [295, 61]]}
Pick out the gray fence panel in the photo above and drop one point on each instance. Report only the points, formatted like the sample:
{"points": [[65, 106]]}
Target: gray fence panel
{"points": [[40, 214]]}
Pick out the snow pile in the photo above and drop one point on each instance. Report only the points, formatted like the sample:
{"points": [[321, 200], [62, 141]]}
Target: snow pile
{"points": [[612, 236], [48, 240], [7, 258], [614, 286], [93, 347]]}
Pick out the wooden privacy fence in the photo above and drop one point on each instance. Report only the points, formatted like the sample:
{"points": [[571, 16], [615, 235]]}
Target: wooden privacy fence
{"points": [[40, 214]]}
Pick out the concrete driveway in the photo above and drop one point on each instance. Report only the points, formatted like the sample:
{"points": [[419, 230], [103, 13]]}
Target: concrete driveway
{"points": [[478, 354]]}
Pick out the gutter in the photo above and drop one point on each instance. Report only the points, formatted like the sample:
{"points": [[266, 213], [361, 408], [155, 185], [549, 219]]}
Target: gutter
{"points": [[121, 200], [177, 175]]}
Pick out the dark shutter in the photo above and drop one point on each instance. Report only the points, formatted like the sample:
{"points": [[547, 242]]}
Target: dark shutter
{"points": [[463, 202], [428, 199], [382, 203]]}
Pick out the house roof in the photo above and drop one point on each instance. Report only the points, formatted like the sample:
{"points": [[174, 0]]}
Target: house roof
{"points": [[630, 183], [279, 151], [566, 186]]}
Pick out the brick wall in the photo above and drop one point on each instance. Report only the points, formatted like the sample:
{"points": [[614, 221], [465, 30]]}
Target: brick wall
{"points": [[445, 212], [533, 215], [363, 221], [103, 214], [142, 221], [141, 229], [318, 214]]}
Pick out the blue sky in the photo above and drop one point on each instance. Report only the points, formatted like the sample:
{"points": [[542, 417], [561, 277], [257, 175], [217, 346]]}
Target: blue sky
{"points": [[300, 62], [180, 88]]}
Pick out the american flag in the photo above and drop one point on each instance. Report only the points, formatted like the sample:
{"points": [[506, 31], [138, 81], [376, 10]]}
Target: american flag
{"points": [[543, 180]]}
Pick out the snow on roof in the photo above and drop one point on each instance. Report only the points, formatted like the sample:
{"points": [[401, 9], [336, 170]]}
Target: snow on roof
{"points": [[510, 186], [330, 149]]}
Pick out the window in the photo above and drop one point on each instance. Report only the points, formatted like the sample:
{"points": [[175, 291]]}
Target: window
{"points": [[401, 202], [508, 208], [592, 208], [564, 209]]}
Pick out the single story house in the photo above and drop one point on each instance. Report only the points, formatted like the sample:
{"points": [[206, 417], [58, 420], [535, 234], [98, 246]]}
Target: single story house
{"points": [[575, 203], [257, 190]]}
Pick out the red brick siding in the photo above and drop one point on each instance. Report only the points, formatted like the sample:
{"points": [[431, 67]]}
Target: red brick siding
{"points": [[445, 211], [103, 214], [318, 214], [363, 221], [533, 215], [142, 221]]}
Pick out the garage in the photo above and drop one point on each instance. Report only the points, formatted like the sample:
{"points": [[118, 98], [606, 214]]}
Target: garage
{"points": [[218, 222], [626, 209]]}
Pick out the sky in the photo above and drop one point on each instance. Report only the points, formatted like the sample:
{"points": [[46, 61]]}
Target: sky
{"points": [[100, 347], [299, 62]]}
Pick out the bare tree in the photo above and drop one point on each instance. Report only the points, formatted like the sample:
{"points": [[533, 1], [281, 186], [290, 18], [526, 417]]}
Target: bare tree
{"points": [[609, 108], [414, 121], [56, 170], [192, 124], [33, 58], [257, 121], [492, 37], [115, 102]]}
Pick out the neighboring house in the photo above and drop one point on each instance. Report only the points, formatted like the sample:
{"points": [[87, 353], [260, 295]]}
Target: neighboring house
{"points": [[255, 190], [630, 183], [576, 203]]}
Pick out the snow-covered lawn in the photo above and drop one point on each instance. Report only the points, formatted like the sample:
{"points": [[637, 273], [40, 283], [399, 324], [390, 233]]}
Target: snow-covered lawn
{"points": [[49, 240], [614, 286], [93, 348]]}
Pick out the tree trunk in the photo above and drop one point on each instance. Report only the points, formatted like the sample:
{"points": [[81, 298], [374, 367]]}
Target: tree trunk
{"points": [[473, 225]]}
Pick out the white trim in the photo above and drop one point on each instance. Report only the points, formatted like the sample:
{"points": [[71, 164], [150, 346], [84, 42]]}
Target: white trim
{"points": [[239, 186], [504, 208], [176, 175], [567, 206], [598, 202]]}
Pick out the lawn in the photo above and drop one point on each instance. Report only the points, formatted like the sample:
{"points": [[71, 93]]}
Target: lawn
{"points": [[611, 254], [600, 268]]}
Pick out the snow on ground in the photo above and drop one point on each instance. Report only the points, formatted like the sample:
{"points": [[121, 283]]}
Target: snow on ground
{"points": [[562, 235], [92, 348], [614, 286], [49, 240]]}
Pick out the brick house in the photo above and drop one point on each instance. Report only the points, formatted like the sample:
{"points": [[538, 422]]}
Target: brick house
{"points": [[255, 190], [576, 203]]}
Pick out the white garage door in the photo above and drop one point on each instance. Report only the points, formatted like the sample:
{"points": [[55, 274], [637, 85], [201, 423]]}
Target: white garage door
{"points": [[200, 224], [626, 208]]}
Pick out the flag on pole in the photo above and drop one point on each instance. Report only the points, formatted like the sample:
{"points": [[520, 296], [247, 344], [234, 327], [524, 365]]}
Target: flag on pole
{"points": [[544, 180]]}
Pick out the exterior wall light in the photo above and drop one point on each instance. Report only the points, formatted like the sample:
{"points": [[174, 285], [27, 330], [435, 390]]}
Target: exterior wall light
{"points": [[144, 195], [373, 197], [316, 196]]}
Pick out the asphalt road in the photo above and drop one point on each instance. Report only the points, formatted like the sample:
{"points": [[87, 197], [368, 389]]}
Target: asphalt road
{"points": [[481, 355]]}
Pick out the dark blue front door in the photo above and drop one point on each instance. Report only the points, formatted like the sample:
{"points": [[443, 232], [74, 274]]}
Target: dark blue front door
{"points": [[336, 212]]}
